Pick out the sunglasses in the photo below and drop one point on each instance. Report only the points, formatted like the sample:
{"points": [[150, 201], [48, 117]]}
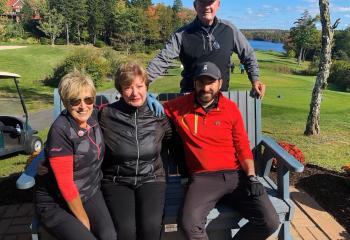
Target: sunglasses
{"points": [[77, 101]]}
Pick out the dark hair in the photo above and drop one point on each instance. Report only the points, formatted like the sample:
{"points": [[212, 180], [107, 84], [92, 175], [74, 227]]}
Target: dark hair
{"points": [[127, 72]]}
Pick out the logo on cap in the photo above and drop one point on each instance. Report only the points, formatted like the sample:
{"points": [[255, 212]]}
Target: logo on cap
{"points": [[205, 67]]}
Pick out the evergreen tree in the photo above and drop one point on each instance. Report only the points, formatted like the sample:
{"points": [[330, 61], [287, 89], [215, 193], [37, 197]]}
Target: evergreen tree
{"points": [[140, 3], [166, 22], [95, 18], [177, 6], [78, 17]]}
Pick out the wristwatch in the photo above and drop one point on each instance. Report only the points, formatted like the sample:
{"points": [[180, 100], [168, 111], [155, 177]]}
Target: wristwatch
{"points": [[253, 178]]}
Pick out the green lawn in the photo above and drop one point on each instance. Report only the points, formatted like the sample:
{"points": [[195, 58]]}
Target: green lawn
{"points": [[34, 64], [285, 106]]}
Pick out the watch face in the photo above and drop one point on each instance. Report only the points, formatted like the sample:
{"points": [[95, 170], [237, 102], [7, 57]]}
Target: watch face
{"points": [[253, 178]]}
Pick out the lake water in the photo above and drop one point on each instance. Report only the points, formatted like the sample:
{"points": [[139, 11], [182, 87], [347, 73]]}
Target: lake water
{"points": [[265, 45]]}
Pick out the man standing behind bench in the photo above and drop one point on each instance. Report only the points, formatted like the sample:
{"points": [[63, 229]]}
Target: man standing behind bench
{"points": [[207, 38], [218, 158]]}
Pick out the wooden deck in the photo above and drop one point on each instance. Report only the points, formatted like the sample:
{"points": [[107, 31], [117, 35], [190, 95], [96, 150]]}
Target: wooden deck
{"points": [[310, 221]]}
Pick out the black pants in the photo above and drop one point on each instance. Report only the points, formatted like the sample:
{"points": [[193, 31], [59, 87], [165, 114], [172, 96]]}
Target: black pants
{"points": [[206, 190], [64, 225], [136, 212]]}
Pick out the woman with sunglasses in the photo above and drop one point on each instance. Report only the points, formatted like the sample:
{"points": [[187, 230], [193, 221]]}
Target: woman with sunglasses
{"points": [[133, 176], [68, 199]]}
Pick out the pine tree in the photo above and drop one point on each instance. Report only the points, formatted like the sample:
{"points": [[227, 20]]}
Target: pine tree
{"points": [[95, 19], [177, 6]]}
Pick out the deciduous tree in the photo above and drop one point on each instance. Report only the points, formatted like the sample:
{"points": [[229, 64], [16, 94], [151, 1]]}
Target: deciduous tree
{"points": [[304, 35], [313, 121], [3, 6], [52, 24]]}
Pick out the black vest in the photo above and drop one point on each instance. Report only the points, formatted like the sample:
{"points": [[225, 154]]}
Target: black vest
{"points": [[199, 45]]}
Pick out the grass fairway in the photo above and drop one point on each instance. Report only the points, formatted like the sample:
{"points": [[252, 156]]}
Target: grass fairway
{"points": [[286, 107], [34, 63]]}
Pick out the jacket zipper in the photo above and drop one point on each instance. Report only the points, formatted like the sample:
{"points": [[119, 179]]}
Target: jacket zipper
{"points": [[137, 145], [203, 41], [94, 143]]}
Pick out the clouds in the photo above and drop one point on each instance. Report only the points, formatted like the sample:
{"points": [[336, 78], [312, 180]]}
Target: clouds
{"points": [[274, 14]]}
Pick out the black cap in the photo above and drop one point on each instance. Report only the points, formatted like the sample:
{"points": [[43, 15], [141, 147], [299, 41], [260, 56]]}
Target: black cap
{"points": [[207, 69]]}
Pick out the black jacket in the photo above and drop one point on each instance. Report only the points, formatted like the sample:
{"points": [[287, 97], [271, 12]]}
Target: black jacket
{"points": [[133, 138]]}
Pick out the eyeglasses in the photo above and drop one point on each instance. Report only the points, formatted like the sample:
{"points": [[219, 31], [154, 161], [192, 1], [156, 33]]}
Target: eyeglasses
{"points": [[77, 101]]}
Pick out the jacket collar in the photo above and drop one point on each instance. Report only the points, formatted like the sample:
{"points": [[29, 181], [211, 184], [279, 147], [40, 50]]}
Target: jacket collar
{"points": [[127, 108], [199, 24], [199, 109]]}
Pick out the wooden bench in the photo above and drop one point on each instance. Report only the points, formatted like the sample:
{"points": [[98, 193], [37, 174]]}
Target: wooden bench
{"points": [[222, 221]]}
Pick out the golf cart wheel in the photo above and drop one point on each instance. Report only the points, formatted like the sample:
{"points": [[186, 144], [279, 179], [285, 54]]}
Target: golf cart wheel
{"points": [[33, 145]]}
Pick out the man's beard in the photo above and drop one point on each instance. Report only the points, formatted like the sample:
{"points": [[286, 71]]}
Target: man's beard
{"points": [[206, 97]]}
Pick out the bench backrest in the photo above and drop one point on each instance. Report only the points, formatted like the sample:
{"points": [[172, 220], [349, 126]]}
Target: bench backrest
{"points": [[250, 108]]}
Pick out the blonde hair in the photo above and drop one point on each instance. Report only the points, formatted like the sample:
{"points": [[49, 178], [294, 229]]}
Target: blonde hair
{"points": [[72, 84], [127, 72]]}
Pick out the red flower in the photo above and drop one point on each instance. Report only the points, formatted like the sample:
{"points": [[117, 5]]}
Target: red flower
{"points": [[293, 150]]}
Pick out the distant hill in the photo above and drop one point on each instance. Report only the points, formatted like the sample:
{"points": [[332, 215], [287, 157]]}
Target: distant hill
{"points": [[272, 35]]}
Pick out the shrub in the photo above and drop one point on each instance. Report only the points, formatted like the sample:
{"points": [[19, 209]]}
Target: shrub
{"points": [[99, 43], [14, 30], [44, 41], [32, 40], [114, 59], [291, 53], [346, 168], [94, 62], [293, 150], [60, 41], [340, 75]]}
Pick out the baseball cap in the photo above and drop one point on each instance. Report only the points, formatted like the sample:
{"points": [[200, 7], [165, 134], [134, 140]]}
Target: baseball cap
{"points": [[207, 69]]}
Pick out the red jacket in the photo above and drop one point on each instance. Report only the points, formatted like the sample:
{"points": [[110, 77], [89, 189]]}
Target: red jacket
{"points": [[213, 141]]}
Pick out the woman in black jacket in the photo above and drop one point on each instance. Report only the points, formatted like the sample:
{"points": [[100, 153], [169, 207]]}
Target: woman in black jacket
{"points": [[134, 179]]}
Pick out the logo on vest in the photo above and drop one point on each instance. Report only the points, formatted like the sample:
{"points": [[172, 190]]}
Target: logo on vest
{"points": [[81, 133]]}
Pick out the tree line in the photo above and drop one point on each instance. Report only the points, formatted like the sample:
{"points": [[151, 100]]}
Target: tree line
{"points": [[271, 35], [120, 23]]}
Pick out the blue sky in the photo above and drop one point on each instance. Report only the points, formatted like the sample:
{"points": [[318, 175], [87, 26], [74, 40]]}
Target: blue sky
{"points": [[276, 14]]}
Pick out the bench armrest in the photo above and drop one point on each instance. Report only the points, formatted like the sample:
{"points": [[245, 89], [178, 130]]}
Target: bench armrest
{"points": [[27, 178], [282, 155], [285, 163]]}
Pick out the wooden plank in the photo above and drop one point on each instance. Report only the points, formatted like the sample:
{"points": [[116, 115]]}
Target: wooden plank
{"points": [[242, 105], [251, 121], [258, 121], [234, 96]]}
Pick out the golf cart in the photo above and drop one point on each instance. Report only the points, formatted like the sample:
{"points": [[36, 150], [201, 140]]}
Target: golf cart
{"points": [[16, 135]]}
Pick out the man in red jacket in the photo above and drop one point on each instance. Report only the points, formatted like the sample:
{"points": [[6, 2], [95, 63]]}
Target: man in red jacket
{"points": [[218, 159]]}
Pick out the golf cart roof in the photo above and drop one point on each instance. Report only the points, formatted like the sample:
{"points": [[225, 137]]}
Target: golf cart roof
{"points": [[8, 75]]}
